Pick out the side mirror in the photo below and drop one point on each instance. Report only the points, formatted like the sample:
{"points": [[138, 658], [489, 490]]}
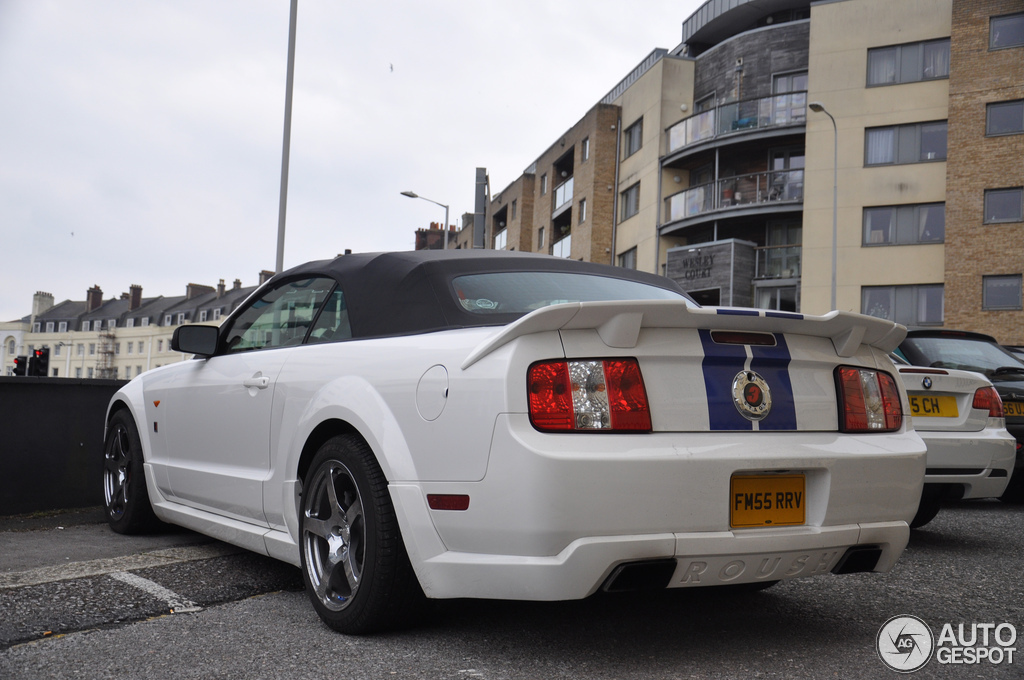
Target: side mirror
{"points": [[195, 339]]}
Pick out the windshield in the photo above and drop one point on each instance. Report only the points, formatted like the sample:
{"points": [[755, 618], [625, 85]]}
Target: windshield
{"points": [[523, 292], [961, 353]]}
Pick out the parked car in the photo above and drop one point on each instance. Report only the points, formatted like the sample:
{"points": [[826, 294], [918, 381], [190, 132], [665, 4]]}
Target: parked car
{"points": [[980, 353], [488, 424], [960, 417]]}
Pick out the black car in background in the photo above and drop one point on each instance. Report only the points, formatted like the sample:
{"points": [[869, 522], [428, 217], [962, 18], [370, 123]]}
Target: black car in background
{"points": [[981, 353]]}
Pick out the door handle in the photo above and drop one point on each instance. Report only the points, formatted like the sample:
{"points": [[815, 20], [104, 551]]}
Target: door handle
{"points": [[262, 382]]}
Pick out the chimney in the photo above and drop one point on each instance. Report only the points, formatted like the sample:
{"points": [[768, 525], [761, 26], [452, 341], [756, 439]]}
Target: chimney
{"points": [[93, 299], [135, 295], [220, 288], [237, 285], [265, 276], [41, 302], [195, 290]]}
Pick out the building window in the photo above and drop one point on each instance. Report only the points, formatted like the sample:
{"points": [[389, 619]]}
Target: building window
{"points": [[89, 373], [583, 210], [1005, 118], [540, 240], [142, 346], [181, 317], [585, 149], [92, 349], [167, 319], [1004, 205], [908, 63], [1001, 292], [908, 305], [1006, 31], [145, 321], [159, 345], [563, 247], [56, 351], [37, 327], [202, 315], [216, 314], [632, 138], [501, 240], [914, 143], [905, 224], [62, 327], [111, 323], [78, 373], [131, 347], [513, 209], [80, 351], [630, 202], [138, 370], [49, 326], [543, 184], [127, 372], [117, 348], [130, 323], [11, 347], [628, 259], [85, 326]]}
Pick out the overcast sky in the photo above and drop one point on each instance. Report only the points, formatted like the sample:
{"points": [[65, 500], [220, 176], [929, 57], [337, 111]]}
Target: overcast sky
{"points": [[140, 142]]}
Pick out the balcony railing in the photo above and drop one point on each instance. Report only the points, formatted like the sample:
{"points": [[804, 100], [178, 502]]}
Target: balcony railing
{"points": [[777, 262], [562, 248], [742, 116], [563, 193], [774, 186]]}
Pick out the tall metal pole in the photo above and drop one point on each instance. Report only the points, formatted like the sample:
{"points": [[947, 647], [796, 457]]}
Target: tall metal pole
{"points": [[818, 108], [283, 205]]}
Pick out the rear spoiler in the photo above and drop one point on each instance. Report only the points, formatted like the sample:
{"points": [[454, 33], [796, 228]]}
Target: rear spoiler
{"points": [[618, 323]]}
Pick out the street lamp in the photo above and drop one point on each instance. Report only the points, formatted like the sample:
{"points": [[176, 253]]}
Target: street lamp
{"points": [[817, 107], [413, 194]]}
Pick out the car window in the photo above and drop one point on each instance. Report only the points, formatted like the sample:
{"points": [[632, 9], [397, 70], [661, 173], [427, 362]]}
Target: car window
{"points": [[278, 318], [332, 324], [523, 292], [962, 353]]}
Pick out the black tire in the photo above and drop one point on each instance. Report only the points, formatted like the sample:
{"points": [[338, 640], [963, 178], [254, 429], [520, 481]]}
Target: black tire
{"points": [[926, 510], [125, 496], [354, 564]]}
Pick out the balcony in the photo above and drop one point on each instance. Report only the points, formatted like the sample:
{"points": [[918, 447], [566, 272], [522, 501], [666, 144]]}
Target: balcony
{"points": [[563, 196], [730, 193], [743, 116], [777, 262]]}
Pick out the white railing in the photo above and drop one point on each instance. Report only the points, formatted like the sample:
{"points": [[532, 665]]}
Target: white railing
{"points": [[742, 116], [736, 192]]}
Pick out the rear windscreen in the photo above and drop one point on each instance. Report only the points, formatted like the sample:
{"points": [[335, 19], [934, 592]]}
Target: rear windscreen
{"points": [[523, 292]]}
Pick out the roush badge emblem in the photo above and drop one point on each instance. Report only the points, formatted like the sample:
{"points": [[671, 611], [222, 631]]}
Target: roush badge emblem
{"points": [[751, 395]]}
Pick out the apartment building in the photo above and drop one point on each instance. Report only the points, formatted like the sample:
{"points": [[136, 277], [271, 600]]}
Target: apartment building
{"points": [[116, 338], [729, 162]]}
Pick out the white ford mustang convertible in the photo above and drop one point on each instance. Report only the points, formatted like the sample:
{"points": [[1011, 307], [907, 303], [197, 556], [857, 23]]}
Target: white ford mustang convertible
{"points": [[483, 424]]}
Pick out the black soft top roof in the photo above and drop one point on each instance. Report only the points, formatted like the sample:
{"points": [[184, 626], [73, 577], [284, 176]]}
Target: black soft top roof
{"points": [[401, 293]]}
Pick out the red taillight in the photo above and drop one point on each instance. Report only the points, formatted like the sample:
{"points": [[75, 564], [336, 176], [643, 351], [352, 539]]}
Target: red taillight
{"points": [[588, 396], [987, 399], [868, 400]]}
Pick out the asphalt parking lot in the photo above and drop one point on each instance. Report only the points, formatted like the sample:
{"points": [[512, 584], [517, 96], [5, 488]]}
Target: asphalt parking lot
{"points": [[82, 602]]}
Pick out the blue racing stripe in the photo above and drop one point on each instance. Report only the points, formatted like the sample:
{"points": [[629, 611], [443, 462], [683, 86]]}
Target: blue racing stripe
{"points": [[720, 365], [772, 363], [784, 315], [739, 312]]}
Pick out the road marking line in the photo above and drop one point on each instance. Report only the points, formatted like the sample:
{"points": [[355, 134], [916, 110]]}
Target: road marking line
{"points": [[156, 558], [177, 603]]}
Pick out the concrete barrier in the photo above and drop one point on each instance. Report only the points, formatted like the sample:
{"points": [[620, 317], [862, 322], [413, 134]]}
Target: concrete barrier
{"points": [[51, 443]]}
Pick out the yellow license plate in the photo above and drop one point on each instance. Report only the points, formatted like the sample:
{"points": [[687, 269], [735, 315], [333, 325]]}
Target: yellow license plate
{"points": [[1013, 408], [933, 406], [767, 500]]}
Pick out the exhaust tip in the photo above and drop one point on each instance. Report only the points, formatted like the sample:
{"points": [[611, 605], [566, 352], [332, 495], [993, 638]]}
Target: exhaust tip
{"points": [[646, 575], [858, 559]]}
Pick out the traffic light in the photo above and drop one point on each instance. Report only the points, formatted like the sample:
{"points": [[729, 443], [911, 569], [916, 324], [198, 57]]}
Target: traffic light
{"points": [[40, 366], [20, 365]]}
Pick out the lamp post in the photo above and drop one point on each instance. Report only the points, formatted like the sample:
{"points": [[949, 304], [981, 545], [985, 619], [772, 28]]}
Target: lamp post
{"points": [[817, 107], [282, 209], [413, 194]]}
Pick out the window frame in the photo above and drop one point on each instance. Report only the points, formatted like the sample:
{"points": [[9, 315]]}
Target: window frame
{"points": [[624, 210], [991, 25], [894, 224], [993, 278], [898, 62], [894, 291], [1019, 217], [899, 146], [271, 300], [585, 150], [1016, 103], [633, 138]]}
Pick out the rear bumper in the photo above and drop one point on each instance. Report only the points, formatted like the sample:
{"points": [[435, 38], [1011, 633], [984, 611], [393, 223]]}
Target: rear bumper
{"points": [[555, 515], [980, 462]]}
